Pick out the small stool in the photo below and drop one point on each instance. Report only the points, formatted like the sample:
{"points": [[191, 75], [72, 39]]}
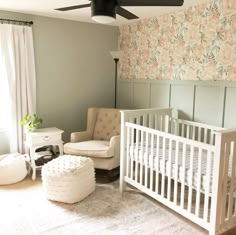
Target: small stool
{"points": [[68, 178]]}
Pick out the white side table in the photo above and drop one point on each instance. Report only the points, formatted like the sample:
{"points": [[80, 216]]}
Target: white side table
{"points": [[39, 138]]}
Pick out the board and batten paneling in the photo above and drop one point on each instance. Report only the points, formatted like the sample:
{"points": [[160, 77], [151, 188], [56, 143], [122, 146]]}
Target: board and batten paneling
{"points": [[141, 95], [159, 96], [182, 98], [210, 102], [125, 95], [230, 107]]}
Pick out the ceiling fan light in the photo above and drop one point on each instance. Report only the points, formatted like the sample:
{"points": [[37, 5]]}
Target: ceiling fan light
{"points": [[103, 11], [103, 19]]}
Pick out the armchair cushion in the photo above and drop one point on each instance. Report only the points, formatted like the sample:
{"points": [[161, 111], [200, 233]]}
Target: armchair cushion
{"points": [[91, 148], [107, 124], [80, 136]]}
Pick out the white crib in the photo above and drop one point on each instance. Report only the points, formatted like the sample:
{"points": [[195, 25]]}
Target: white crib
{"points": [[188, 166]]}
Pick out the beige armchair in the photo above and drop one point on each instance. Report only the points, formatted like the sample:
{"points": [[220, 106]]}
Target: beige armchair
{"points": [[101, 140]]}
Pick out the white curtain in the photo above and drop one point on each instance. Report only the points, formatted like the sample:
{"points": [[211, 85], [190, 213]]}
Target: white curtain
{"points": [[17, 74]]}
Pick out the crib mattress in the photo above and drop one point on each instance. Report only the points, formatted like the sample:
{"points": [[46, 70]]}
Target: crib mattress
{"points": [[166, 164]]}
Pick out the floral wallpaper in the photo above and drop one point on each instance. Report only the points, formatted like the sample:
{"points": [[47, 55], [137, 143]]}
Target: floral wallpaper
{"points": [[196, 44]]}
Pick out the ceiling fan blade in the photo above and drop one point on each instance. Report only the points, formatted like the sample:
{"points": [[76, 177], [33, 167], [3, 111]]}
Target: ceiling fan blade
{"points": [[143, 3], [126, 14], [73, 7]]}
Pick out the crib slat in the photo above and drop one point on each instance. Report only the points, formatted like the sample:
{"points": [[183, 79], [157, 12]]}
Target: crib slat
{"points": [[132, 156], [138, 120], [161, 123], [166, 118], [146, 160], [137, 155], [177, 125], [143, 120], [171, 124], [199, 134], [151, 162], [163, 166], [199, 174], [127, 153], [156, 122], [157, 164], [183, 176], [225, 179], [232, 188], [169, 170], [194, 133], [190, 188], [188, 131], [150, 121], [207, 188], [182, 130], [141, 158], [176, 172], [212, 137], [205, 135], [138, 140]]}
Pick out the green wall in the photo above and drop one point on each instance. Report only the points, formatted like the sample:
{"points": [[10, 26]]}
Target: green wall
{"points": [[74, 69]]}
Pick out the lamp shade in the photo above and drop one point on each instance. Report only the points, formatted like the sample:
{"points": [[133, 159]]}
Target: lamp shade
{"points": [[115, 54]]}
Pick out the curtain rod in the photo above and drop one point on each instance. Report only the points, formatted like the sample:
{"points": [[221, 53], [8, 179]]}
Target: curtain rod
{"points": [[18, 21]]}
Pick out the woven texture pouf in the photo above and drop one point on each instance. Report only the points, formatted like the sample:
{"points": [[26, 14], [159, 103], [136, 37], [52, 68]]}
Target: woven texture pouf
{"points": [[12, 168], [68, 178]]}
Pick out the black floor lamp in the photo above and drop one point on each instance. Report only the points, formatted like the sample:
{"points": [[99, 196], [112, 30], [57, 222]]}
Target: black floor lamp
{"points": [[116, 56]]}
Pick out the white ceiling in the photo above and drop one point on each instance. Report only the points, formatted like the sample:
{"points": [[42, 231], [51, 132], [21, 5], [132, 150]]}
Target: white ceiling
{"points": [[46, 8]]}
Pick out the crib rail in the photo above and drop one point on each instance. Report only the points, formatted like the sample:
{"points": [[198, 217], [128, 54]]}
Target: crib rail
{"points": [[152, 118], [162, 165], [224, 208], [193, 130]]}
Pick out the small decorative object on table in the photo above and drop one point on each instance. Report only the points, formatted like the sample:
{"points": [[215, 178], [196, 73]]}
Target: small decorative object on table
{"points": [[31, 122]]}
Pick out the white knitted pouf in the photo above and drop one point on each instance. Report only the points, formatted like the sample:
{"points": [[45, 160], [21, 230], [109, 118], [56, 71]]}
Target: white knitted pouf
{"points": [[12, 168], [68, 178]]}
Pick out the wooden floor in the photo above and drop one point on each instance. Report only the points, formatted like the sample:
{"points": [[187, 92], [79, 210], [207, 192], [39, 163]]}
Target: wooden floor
{"points": [[230, 232]]}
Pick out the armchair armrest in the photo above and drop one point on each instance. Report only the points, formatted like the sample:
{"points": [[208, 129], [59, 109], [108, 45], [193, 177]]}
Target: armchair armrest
{"points": [[115, 141], [80, 136]]}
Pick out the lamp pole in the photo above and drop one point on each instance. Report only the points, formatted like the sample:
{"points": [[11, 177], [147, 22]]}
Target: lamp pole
{"points": [[116, 56], [116, 62]]}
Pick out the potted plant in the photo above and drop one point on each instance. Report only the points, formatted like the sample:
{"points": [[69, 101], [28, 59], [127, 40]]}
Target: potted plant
{"points": [[31, 122]]}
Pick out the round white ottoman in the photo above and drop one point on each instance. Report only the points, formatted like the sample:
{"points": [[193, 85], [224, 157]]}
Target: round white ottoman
{"points": [[12, 168], [68, 178]]}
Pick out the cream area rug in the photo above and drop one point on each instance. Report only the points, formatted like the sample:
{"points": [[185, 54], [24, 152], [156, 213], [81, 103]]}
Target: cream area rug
{"points": [[24, 210]]}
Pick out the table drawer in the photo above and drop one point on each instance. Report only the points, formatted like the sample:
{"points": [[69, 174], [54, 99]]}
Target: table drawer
{"points": [[44, 139]]}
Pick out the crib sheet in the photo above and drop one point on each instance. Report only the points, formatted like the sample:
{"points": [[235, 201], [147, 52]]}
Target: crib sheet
{"points": [[164, 165]]}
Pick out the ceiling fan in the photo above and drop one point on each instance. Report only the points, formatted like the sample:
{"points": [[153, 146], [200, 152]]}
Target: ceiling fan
{"points": [[104, 11]]}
